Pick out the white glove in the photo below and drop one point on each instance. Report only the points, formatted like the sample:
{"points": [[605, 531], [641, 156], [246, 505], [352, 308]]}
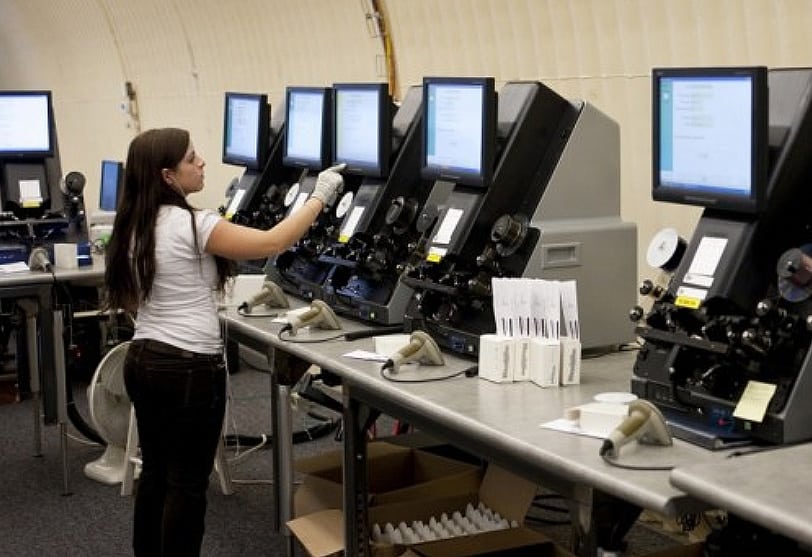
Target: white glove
{"points": [[329, 184]]}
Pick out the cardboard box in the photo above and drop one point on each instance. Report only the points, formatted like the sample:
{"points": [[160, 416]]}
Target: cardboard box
{"points": [[516, 542], [321, 533], [395, 473], [688, 550]]}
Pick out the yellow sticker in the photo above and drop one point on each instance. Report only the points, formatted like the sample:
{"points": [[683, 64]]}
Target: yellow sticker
{"points": [[31, 203], [343, 238], [434, 257], [687, 302]]}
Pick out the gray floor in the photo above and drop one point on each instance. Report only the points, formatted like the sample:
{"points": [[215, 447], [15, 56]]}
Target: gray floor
{"points": [[36, 518]]}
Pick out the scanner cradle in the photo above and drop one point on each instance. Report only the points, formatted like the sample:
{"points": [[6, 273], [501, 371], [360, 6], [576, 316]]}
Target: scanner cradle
{"points": [[421, 348]]}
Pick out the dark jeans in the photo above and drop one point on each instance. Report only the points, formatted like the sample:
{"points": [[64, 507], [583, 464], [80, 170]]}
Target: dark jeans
{"points": [[179, 399]]}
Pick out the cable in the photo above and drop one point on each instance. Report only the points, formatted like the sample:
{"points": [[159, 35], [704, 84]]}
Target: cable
{"points": [[366, 333], [241, 311], [240, 455], [266, 441], [427, 380], [290, 339]]}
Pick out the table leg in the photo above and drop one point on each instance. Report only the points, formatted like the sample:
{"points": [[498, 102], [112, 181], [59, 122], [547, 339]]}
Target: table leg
{"points": [[61, 395], [357, 420], [33, 374], [30, 308], [287, 370], [600, 522]]}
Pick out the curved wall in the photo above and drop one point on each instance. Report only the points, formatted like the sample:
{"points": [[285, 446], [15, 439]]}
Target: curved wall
{"points": [[181, 55]]}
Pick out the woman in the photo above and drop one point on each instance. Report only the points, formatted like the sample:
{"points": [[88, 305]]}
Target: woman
{"points": [[167, 261]]}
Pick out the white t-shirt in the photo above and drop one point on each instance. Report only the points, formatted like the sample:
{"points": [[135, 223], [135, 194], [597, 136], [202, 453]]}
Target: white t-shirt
{"points": [[181, 309]]}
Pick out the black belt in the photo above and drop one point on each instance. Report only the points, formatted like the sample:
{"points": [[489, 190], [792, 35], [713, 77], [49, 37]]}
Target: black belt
{"points": [[170, 350]]}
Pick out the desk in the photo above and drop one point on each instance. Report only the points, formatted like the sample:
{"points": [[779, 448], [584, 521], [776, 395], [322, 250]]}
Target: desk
{"points": [[36, 288], [499, 422], [288, 362], [772, 488], [46, 359]]}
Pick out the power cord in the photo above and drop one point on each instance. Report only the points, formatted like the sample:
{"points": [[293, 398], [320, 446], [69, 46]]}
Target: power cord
{"points": [[389, 377], [242, 310], [294, 340]]}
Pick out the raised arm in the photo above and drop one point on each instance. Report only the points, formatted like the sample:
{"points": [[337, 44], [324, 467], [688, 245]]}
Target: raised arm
{"points": [[242, 242]]}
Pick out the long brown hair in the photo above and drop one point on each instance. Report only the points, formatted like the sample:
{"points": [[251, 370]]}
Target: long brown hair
{"points": [[130, 265]]}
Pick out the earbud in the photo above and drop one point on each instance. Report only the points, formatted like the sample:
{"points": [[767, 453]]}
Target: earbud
{"points": [[421, 348], [319, 315], [271, 295], [645, 423]]}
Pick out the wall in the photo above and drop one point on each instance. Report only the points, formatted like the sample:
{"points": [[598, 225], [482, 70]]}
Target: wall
{"points": [[181, 55]]}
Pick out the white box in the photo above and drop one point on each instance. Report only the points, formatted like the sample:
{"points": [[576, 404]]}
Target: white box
{"points": [[65, 256], [545, 362], [600, 418], [389, 344], [497, 355], [570, 361], [521, 370]]}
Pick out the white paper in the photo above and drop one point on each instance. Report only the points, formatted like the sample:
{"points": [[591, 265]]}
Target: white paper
{"points": [[29, 191], [447, 227], [707, 255], [235, 202], [366, 355], [351, 223], [499, 290], [552, 309], [569, 308], [15, 267]]}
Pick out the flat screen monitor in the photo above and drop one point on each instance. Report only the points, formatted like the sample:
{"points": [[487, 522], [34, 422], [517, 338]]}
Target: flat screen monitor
{"points": [[26, 124], [307, 127], [246, 130], [710, 137], [362, 128], [459, 130], [112, 174]]}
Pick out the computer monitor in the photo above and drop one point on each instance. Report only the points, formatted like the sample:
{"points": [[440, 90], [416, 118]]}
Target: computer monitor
{"points": [[26, 124], [246, 130], [362, 128], [307, 127], [459, 130], [112, 175], [710, 137]]}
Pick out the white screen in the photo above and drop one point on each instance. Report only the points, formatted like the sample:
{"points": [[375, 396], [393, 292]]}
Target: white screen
{"points": [[243, 124], [357, 126], [304, 125], [454, 132], [24, 125], [710, 144]]}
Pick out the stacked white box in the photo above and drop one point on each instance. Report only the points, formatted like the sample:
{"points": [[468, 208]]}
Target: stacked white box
{"points": [[497, 357], [545, 362], [521, 371], [570, 361]]}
